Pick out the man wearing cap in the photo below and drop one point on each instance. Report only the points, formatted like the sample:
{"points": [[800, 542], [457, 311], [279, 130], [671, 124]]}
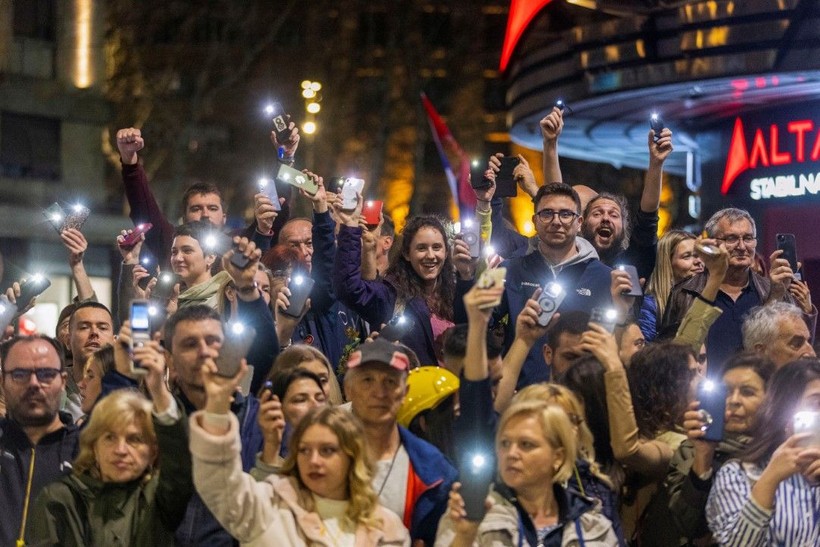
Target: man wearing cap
{"points": [[412, 477]]}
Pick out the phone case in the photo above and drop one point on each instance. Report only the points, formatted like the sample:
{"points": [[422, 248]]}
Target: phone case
{"points": [[656, 123], [268, 187], [140, 330], [335, 184], [234, 348], [477, 179], [55, 216], [299, 293], [475, 485], [238, 259], [788, 244], [280, 120], [164, 287], [294, 177], [549, 301], [350, 192], [371, 211], [633, 278], [76, 217], [131, 239], [471, 236], [491, 278]]}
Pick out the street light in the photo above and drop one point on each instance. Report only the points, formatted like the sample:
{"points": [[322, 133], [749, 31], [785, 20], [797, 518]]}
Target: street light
{"points": [[309, 127]]}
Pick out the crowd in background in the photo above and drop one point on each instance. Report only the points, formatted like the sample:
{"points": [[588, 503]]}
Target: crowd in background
{"points": [[328, 381]]}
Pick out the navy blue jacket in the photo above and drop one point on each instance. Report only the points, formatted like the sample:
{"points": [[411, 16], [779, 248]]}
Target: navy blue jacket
{"points": [[53, 455], [375, 301]]}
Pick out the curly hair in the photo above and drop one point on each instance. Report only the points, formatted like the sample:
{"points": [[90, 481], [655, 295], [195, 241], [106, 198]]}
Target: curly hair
{"points": [[350, 433], [407, 282], [659, 378]]}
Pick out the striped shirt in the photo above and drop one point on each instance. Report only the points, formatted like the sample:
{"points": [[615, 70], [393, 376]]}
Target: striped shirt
{"points": [[737, 520]]}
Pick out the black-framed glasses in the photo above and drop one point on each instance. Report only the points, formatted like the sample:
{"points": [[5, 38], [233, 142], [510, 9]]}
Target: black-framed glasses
{"points": [[23, 375], [564, 215], [733, 239]]}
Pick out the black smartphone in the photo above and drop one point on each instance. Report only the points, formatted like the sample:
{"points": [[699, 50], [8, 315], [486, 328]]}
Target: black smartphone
{"points": [[549, 301], [396, 328], [7, 312], [633, 278], [788, 244], [235, 346], [606, 317], [131, 239], [476, 474], [280, 120], [300, 286], [505, 186], [268, 188], [140, 318], [335, 184], [471, 236], [712, 397], [31, 288], [477, 179], [656, 123], [55, 216]]}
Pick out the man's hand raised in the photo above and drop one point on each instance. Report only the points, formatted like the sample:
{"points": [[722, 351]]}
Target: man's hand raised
{"points": [[129, 142]]}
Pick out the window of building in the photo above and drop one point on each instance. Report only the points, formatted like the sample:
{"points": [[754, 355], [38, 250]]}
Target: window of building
{"points": [[35, 19], [29, 146]]}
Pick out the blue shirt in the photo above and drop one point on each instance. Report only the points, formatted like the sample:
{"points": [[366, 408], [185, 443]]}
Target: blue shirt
{"points": [[725, 337]]}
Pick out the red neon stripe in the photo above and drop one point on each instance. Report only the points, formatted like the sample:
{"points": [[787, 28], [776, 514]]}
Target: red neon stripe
{"points": [[521, 14]]}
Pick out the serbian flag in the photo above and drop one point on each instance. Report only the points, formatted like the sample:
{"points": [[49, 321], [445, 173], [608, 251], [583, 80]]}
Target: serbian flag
{"points": [[459, 181]]}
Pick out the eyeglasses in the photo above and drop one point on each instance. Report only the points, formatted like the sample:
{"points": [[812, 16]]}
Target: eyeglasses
{"points": [[23, 375], [564, 215], [733, 239]]}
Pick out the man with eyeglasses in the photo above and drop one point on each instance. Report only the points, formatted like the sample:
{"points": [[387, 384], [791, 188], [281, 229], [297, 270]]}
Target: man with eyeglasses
{"points": [[37, 442], [561, 257], [742, 289]]}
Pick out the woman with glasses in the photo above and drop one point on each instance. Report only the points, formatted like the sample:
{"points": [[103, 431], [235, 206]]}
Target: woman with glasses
{"points": [[131, 482], [322, 495]]}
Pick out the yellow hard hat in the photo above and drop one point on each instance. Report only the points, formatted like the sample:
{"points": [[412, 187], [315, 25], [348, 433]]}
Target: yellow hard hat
{"points": [[426, 388]]}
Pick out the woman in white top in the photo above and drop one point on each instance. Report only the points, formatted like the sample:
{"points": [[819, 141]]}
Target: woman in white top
{"points": [[322, 496]]}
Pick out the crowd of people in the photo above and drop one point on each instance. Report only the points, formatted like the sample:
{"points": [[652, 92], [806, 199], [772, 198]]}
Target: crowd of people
{"points": [[589, 385]]}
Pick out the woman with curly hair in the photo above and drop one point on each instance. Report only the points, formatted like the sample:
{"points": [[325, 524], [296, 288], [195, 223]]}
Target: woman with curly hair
{"points": [[322, 496], [644, 405], [419, 283]]}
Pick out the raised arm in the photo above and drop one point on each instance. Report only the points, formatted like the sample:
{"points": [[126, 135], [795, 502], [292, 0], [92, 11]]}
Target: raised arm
{"points": [[551, 126]]}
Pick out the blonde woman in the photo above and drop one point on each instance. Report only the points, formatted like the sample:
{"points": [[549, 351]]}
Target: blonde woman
{"points": [[123, 490], [536, 451], [676, 261], [587, 477], [310, 358], [322, 496]]}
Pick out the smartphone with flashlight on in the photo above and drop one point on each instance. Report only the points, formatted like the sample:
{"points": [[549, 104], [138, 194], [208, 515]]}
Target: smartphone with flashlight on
{"points": [[549, 301], [371, 211], [606, 317], [131, 239], [807, 421], [351, 189], [30, 288], [294, 177], [268, 189], [656, 124], [300, 286], [55, 216], [235, 346], [634, 280], [140, 318], [396, 328], [476, 474], [281, 121], [164, 287], [76, 216], [489, 278], [712, 397], [471, 236]]}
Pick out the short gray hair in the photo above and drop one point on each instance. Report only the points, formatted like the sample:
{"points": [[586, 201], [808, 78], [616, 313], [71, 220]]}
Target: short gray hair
{"points": [[732, 214], [761, 324]]}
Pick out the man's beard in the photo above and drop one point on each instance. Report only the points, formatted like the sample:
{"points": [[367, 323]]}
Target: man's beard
{"points": [[608, 255]]}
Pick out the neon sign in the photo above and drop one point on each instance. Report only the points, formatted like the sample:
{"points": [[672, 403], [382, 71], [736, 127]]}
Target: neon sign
{"points": [[772, 146], [522, 13]]}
